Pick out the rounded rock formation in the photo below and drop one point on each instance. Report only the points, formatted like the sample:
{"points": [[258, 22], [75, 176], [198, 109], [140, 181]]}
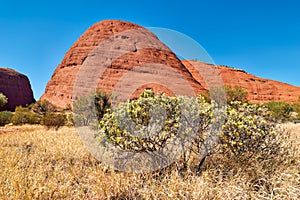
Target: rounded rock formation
{"points": [[110, 52], [16, 87]]}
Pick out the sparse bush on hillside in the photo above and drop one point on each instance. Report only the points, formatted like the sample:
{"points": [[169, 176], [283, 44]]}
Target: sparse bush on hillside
{"points": [[5, 117], [236, 93], [89, 107], [24, 116], [54, 120], [3, 100]]}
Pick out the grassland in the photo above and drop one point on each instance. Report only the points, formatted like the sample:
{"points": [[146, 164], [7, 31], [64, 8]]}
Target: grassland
{"points": [[47, 164]]}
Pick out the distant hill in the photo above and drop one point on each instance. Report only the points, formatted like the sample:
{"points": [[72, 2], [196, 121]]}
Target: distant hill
{"points": [[259, 89]]}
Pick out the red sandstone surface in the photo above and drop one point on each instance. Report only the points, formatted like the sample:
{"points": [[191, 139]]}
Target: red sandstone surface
{"points": [[125, 58], [16, 87], [117, 56], [259, 89]]}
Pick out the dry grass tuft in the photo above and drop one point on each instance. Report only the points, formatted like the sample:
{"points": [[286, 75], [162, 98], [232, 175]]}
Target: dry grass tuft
{"points": [[47, 164]]}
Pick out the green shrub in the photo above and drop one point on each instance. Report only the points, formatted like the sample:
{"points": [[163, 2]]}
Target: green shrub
{"points": [[296, 108], [24, 116], [41, 108], [280, 110], [235, 93], [54, 120], [249, 131], [242, 132], [5, 117], [153, 122], [90, 107], [3, 100]]}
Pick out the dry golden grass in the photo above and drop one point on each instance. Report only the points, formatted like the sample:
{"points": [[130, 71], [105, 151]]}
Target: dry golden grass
{"points": [[46, 164]]}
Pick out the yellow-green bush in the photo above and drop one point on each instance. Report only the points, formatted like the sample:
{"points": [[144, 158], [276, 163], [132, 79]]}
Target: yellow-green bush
{"points": [[147, 123], [249, 131], [280, 110], [5, 117], [240, 130], [24, 116]]}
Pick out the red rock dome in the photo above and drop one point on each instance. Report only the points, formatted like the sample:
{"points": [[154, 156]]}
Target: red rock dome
{"points": [[16, 87]]}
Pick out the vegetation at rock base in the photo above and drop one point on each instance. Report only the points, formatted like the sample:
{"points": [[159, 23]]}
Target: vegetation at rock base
{"points": [[231, 93], [90, 108], [54, 120], [23, 115], [43, 107], [3, 100], [5, 117], [282, 111]]}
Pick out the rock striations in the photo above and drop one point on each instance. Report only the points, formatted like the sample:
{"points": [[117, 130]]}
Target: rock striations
{"points": [[16, 87], [122, 57]]}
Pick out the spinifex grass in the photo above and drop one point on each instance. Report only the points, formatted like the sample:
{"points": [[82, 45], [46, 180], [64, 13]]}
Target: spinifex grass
{"points": [[47, 164]]}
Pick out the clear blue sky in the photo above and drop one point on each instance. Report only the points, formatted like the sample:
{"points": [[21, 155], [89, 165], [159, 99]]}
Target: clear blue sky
{"points": [[261, 37]]}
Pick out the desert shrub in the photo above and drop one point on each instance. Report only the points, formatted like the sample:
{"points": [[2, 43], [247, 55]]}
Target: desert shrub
{"points": [[5, 117], [24, 116], [296, 108], [3, 100], [42, 107], [54, 120], [280, 110], [70, 119], [235, 93], [251, 138], [244, 133], [90, 107], [152, 121]]}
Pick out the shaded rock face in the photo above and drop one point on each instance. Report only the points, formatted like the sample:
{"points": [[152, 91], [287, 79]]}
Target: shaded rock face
{"points": [[118, 57], [259, 89], [16, 87]]}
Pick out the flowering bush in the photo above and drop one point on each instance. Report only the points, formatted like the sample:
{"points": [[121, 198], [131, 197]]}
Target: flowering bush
{"points": [[241, 131], [154, 121], [249, 132], [129, 126]]}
